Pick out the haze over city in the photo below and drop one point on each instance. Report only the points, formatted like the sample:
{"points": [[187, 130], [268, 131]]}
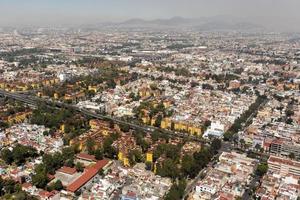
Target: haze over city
{"points": [[280, 15]]}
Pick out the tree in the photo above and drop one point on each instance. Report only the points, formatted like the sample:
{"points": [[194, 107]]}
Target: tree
{"points": [[155, 136], [40, 179], [79, 167], [177, 191], [69, 162], [98, 154], [134, 156], [168, 168], [124, 127], [188, 166], [58, 185], [216, 144], [202, 158], [68, 153], [108, 150], [261, 169], [90, 145], [257, 147], [292, 155], [6, 155], [158, 121]]}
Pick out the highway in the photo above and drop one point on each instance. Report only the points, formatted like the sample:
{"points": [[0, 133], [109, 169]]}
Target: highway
{"points": [[34, 101]]}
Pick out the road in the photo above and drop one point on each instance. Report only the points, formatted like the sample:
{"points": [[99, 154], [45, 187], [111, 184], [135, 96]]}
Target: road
{"points": [[226, 147], [32, 100]]}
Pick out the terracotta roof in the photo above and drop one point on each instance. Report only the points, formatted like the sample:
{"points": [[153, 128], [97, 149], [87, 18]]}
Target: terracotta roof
{"points": [[47, 194], [67, 170], [86, 176], [275, 159], [26, 185], [86, 156]]}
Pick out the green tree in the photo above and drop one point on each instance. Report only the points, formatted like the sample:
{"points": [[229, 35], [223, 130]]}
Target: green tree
{"points": [[216, 144], [90, 145], [261, 169], [68, 153], [98, 154], [79, 167], [158, 121], [177, 191], [69, 162], [134, 156], [40, 179], [7, 156], [168, 168], [188, 166], [124, 127], [58, 185], [108, 150]]}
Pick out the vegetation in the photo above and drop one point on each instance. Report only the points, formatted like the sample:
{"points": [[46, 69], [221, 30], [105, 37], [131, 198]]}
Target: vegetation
{"points": [[261, 169], [79, 167], [52, 162], [238, 123], [177, 191], [18, 155], [135, 156], [74, 123], [57, 185], [9, 189], [188, 166]]}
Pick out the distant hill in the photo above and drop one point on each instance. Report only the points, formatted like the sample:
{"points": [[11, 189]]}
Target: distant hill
{"points": [[207, 23]]}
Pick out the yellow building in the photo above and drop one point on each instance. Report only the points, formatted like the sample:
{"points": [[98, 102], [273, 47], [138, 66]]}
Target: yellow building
{"points": [[93, 88], [35, 85], [166, 123], [179, 126], [123, 159], [2, 85], [126, 162], [149, 157], [194, 130], [153, 121], [144, 92], [94, 124], [146, 120], [120, 156], [56, 96], [17, 118], [62, 128], [167, 104]]}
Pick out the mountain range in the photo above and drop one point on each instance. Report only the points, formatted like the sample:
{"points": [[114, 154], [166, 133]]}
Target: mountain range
{"points": [[205, 23]]}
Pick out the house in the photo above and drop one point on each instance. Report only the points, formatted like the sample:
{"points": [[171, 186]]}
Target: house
{"points": [[85, 159]]}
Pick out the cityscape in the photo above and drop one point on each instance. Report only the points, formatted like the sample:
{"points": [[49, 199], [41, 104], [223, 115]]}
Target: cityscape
{"points": [[139, 108]]}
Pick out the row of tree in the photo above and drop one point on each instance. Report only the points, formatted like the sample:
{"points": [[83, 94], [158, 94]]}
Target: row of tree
{"points": [[188, 167], [239, 122]]}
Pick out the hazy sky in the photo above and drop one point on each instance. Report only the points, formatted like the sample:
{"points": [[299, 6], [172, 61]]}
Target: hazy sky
{"points": [[28, 12]]}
